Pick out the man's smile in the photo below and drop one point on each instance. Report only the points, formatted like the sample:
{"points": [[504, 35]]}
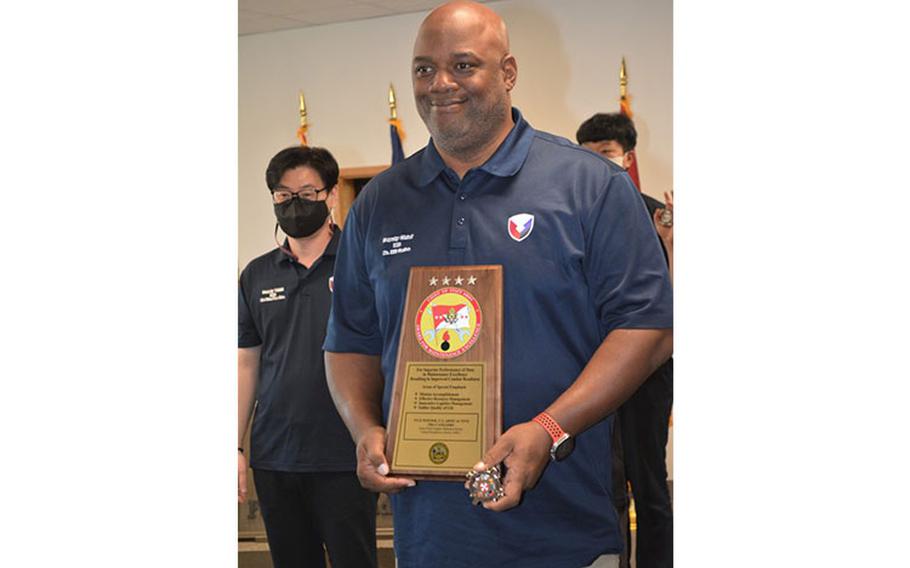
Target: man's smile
{"points": [[447, 104]]}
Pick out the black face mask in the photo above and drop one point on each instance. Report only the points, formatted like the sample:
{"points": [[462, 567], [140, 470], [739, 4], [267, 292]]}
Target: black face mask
{"points": [[299, 218]]}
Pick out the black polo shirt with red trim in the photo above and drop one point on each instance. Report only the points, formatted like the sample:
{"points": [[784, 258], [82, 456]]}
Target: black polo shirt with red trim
{"points": [[284, 307]]}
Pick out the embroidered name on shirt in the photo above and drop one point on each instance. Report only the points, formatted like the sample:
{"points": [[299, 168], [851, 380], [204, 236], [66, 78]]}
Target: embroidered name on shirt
{"points": [[399, 244], [272, 295]]}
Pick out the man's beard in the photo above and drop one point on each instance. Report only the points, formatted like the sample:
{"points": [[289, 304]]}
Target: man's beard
{"points": [[464, 137]]}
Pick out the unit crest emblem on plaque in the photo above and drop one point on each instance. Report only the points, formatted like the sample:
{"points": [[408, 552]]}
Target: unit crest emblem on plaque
{"points": [[448, 322]]}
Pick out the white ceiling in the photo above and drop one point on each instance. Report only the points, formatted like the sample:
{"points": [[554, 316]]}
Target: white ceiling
{"points": [[259, 16]]}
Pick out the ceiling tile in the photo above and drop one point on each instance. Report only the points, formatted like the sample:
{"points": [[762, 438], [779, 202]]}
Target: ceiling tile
{"points": [[341, 13], [313, 12], [402, 6], [248, 23], [285, 7]]}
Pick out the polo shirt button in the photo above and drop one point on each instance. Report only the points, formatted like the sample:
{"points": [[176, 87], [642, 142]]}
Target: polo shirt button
{"points": [[461, 197], [461, 220]]}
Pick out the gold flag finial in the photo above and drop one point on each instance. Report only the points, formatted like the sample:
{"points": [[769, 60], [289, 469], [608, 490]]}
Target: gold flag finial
{"points": [[623, 79], [393, 107], [393, 113], [302, 110]]}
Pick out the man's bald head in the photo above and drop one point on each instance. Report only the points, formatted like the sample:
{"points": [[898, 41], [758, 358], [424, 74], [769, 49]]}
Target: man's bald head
{"points": [[472, 17]]}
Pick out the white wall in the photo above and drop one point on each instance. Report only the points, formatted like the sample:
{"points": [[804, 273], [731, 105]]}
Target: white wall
{"points": [[568, 54]]}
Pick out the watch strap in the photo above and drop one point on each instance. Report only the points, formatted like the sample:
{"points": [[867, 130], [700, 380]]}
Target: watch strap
{"points": [[551, 426]]}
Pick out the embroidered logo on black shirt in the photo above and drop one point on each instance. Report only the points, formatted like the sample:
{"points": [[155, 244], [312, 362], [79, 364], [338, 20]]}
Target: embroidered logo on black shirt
{"points": [[272, 295]]}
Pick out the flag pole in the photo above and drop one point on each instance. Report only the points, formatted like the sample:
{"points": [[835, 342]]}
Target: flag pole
{"points": [[623, 88], [396, 131], [626, 109], [301, 132]]}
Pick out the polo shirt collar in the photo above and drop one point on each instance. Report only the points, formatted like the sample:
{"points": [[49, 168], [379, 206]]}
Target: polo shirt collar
{"points": [[283, 253], [506, 161], [331, 249]]}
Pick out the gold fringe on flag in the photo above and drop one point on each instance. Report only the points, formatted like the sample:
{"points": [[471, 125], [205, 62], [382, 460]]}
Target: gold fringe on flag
{"points": [[301, 135], [396, 122], [625, 107]]}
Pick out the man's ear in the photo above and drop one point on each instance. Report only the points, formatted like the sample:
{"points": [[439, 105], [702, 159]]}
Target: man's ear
{"points": [[628, 159], [509, 71]]}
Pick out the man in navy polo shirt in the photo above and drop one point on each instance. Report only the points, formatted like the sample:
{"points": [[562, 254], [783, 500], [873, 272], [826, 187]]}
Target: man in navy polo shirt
{"points": [[587, 307], [301, 453]]}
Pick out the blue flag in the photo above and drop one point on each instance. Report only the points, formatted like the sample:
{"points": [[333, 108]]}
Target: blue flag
{"points": [[397, 150]]}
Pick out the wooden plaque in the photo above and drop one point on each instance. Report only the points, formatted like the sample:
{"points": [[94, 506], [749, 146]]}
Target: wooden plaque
{"points": [[446, 409]]}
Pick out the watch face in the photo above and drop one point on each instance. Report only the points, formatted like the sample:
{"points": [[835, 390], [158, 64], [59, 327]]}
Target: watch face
{"points": [[564, 449]]}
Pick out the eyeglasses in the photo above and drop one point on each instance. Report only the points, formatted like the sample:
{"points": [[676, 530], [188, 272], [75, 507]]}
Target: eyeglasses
{"points": [[307, 193]]}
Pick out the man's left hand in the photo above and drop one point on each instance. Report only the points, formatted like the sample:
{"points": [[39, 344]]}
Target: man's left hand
{"points": [[525, 451], [665, 231], [241, 477]]}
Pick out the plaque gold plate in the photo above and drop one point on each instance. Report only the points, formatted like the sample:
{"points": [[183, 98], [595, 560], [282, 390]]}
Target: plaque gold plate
{"points": [[446, 409]]}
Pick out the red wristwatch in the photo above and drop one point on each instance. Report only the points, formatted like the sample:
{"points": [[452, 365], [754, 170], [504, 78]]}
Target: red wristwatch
{"points": [[563, 443]]}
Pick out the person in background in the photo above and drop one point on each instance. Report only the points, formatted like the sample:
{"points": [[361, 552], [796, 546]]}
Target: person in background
{"points": [[586, 316], [640, 436], [300, 451]]}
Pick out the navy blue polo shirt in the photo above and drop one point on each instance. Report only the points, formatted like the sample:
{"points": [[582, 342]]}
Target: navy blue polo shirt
{"points": [[581, 260], [284, 307]]}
